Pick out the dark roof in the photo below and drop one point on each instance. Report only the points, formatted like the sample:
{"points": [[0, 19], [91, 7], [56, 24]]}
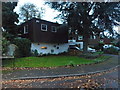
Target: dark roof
{"points": [[41, 20]]}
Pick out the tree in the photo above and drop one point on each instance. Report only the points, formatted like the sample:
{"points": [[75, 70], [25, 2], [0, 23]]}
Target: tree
{"points": [[28, 11], [89, 18], [24, 47], [9, 17], [5, 44]]}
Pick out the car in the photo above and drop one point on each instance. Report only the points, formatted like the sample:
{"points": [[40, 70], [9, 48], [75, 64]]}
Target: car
{"points": [[116, 47], [74, 47], [91, 50], [107, 46]]}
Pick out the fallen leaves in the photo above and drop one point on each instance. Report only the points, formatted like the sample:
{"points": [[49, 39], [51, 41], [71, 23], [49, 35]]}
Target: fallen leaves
{"points": [[86, 81]]}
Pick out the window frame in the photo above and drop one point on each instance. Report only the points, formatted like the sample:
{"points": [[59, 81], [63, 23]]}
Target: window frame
{"points": [[37, 21], [80, 37], [42, 28], [25, 29], [52, 28]]}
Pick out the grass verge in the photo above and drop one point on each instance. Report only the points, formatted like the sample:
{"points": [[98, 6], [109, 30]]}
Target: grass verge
{"points": [[50, 61]]}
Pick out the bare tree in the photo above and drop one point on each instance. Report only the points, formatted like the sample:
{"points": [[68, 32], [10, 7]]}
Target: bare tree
{"points": [[29, 10]]}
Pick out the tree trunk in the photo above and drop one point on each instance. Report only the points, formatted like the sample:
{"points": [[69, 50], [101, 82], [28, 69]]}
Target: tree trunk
{"points": [[85, 43]]}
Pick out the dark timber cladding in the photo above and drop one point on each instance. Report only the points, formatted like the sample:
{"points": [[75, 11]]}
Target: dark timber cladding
{"points": [[35, 34]]}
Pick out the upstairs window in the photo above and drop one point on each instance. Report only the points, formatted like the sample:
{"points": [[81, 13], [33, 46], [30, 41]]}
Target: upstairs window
{"points": [[37, 21], [25, 29], [43, 27], [53, 29]]}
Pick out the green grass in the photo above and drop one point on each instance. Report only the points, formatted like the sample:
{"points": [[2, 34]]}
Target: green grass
{"points": [[49, 61]]}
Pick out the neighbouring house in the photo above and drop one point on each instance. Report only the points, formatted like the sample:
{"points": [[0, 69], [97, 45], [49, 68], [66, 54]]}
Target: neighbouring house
{"points": [[45, 36], [77, 40]]}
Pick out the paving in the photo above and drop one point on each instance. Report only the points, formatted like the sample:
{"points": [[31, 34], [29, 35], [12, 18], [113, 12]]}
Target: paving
{"points": [[62, 71]]}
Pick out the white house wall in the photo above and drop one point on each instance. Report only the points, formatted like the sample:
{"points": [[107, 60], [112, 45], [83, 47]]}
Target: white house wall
{"points": [[62, 48], [81, 44]]}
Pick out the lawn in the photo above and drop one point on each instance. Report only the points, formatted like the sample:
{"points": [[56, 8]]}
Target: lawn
{"points": [[49, 61]]}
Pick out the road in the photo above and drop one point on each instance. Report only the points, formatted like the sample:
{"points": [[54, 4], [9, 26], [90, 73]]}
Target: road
{"points": [[107, 79]]}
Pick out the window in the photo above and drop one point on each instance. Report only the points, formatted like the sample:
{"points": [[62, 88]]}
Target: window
{"points": [[57, 47], [53, 29], [76, 31], [43, 27], [43, 47], [71, 38], [74, 38], [91, 37], [52, 51], [37, 21], [80, 37], [54, 45], [26, 29], [94, 37]]}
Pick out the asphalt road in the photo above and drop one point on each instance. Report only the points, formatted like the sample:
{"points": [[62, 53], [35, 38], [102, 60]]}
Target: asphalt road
{"points": [[107, 79]]}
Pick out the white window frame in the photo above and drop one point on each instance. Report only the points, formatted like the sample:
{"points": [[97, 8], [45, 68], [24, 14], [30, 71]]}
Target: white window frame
{"points": [[37, 21], [25, 29], [52, 28], [80, 37], [44, 29]]}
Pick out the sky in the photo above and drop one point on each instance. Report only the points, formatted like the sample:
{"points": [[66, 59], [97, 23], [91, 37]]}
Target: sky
{"points": [[49, 13]]}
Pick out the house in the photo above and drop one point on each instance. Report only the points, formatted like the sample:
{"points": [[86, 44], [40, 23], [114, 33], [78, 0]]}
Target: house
{"points": [[46, 37], [77, 40]]}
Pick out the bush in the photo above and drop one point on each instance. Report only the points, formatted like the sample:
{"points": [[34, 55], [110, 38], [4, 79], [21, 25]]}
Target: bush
{"points": [[99, 46], [91, 55], [111, 50], [5, 44], [24, 47], [35, 53], [98, 53]]}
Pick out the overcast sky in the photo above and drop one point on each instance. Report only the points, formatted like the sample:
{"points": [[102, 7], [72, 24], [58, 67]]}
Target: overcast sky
{"points": [[49, 13]]}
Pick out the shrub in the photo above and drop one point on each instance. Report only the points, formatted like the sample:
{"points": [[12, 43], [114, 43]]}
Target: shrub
{"points": [[35, 53], [91, 55], [17, 52], [5, 44], [99, 46], [111, 50], [24, 47], [98, 53]]}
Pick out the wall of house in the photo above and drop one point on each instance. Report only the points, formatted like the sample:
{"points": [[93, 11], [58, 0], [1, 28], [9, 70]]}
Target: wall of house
{"points": [[36, 35], [51, 48]]}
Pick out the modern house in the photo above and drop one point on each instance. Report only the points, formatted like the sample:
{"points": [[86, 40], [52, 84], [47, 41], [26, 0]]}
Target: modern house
{"points": [[46, 37], [77, 40]]}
